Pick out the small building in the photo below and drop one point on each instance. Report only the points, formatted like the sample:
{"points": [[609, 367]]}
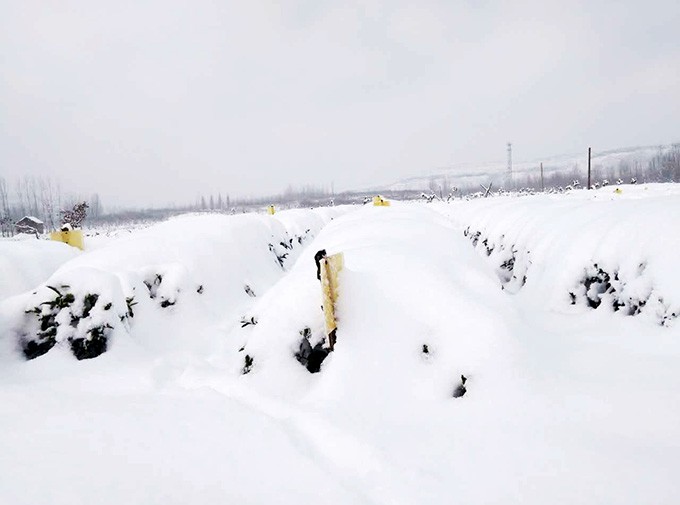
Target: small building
{"points": [[29, 224]]}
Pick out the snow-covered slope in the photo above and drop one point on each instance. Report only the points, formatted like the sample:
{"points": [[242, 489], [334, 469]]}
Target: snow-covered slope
{"points": [[563, 403]]}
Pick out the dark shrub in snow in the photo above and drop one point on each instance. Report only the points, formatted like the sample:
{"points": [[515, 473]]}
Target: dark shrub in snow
{"points": [[311, 357], [247, 364], [460, 388], [85, 321]]}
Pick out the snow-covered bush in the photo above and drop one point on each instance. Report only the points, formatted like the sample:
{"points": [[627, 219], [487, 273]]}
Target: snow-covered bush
{"points": [[630, 293], [312, 351], [74, 315], [510, 263], [164, 283]]}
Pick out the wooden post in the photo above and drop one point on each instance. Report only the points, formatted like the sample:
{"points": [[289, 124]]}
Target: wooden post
{"points": [[542, 186], [589, 168], [487, 191]]}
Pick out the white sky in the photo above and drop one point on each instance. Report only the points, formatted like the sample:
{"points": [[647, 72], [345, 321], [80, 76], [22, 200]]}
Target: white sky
{"points": [[148, 102]]}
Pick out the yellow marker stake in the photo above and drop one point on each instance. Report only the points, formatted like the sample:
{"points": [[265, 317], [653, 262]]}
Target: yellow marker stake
{"points": [[271, 210], [73, 238], [379, 201], [330, 267]]}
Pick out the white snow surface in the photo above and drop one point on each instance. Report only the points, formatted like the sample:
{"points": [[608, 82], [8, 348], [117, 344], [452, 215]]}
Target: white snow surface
{"points": [[564, 404], [26, 263]]}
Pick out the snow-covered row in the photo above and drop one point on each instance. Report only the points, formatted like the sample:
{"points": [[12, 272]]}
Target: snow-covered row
{"points": [[402, 285], [613, 249], [169, 284]]}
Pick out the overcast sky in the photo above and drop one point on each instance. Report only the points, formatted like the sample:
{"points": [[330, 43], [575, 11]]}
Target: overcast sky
{"points": [[147, 102]]}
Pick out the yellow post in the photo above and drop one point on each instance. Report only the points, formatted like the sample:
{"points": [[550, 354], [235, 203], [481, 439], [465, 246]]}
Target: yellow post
{"points": [[73, 238], [330, 266], [379, 201], [271, 210]]}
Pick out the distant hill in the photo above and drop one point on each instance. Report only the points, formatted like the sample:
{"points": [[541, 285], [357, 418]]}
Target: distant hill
{"points": [[603, 163]]}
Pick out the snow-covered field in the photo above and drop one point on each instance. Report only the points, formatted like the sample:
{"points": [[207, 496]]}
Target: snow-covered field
{"points": [[560, 310]]}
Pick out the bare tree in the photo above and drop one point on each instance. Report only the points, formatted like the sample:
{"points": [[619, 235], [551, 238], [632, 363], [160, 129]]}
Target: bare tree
{"points": [[5, 218], [48, 201], [4, 197], [21, 208], [95, 206], [32, 195]]}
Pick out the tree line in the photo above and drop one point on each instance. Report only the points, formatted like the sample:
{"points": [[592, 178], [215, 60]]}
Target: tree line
{"points": [[42, 198], [662, 167]]}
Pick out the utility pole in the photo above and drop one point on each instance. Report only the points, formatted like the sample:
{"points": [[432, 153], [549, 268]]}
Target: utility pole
{"points": [[509, 174], [589, 168], [542, 186]]}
